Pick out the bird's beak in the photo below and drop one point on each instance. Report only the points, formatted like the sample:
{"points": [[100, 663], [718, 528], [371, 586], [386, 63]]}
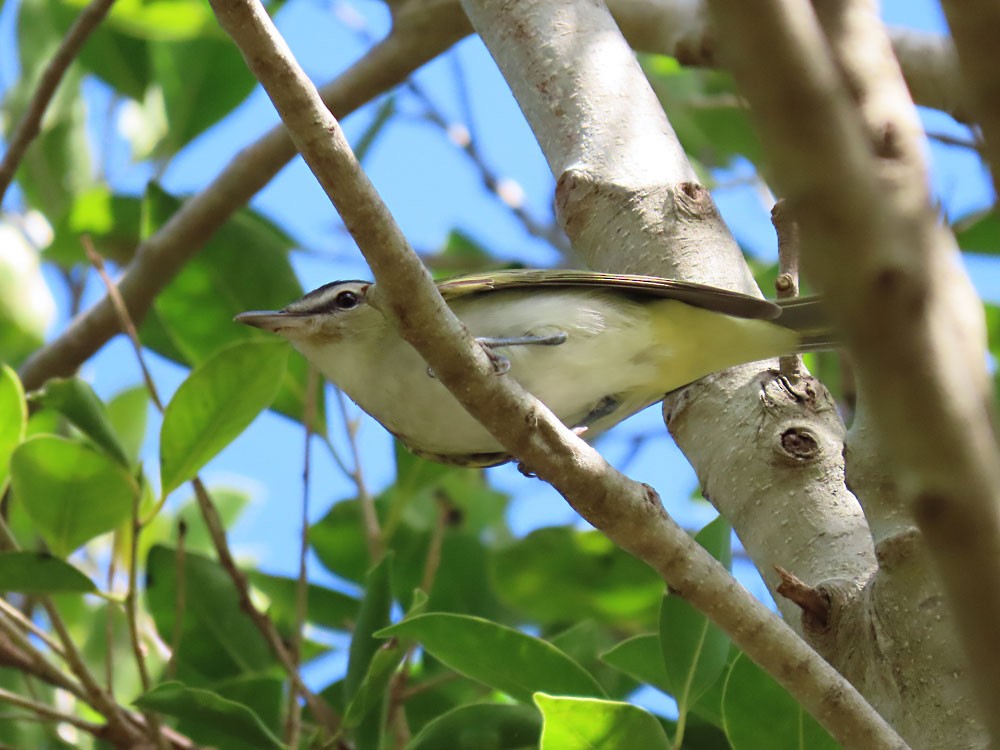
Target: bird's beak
{"points": [[268, 320]]}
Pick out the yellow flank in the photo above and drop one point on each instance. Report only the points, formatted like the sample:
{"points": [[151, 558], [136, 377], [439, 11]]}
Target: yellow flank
{"points": [[691, 342]]}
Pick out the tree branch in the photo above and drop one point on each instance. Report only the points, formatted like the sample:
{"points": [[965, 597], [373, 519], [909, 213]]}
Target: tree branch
{"points": [[630, 512], [975, 25], [873, 244]]}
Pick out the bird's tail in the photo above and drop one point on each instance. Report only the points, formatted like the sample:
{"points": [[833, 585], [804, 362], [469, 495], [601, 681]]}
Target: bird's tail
{"points": [[807, 317]]}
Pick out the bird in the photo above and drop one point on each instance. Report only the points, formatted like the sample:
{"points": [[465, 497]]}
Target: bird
{"points": [[594, 347]]}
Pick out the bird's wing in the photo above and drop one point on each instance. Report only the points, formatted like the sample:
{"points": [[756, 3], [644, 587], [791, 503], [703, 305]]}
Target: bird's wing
{"points": [[698, 295]]}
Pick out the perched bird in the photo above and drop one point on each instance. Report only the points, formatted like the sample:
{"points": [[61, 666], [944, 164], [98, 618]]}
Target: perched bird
{"points": [[594, 347]]}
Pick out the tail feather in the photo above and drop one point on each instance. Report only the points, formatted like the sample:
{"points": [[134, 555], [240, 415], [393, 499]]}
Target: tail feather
{"points": [[807, 317]]}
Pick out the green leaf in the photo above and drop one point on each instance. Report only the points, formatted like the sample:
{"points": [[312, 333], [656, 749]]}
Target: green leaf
{"points": [[372, 690], [498, 656], [41, 573], [979, 233], [372, 616], [222, 718], [217, 639], [585, 642], [757, 712], [71, 491], [110, 220], [26, 304], [202, 80], [588, 724], [77, 401], [159, 19], [641, 658], [695, 651], [325, 608], [128, 413], [219, 400], [243, 266], [559, 575], [481, 726], [13, 418]]}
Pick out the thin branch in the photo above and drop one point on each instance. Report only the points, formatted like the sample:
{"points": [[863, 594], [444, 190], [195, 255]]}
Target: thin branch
{"points": [[373, 531], [294, 720], [630, 513], [49, 713], [30, 125], [320, 710], [787, 283], [180, 602]]}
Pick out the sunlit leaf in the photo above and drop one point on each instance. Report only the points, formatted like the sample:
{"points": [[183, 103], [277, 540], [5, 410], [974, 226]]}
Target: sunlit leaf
{"points": [[219, 400], [76, 401], [13, 418], [71, 491], [589, 724]]}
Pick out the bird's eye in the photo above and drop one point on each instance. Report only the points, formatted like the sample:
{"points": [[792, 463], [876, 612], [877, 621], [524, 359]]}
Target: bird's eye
{"points": [[346, 300]]}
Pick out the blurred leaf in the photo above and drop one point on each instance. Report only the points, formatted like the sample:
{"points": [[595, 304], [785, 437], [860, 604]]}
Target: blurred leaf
{"points": [[481, 726], [501, 657], [109, 219], [373, 688], [243, 266], [27, 307], [383, 116], [326, 608], [13, 418], [640, 657], [758, 712], [201, 80], [71, 491], [221, 720], [77, 401], [219, 399], [40, 573], [979, 233], [585, 642], [128, 412], [588, 724], [373, 615], [57, 166], [159, 19], [217, 639], [705, 111], [560, 575]]}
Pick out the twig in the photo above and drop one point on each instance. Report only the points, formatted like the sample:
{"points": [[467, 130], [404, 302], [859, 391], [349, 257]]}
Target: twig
{"points": [[321, 711], [787, 283], [294, 720], [373, 532], [124, 318], [96, 696], [50, 713], [180, 602], [19, 619], [30, 124], [135, 527]]}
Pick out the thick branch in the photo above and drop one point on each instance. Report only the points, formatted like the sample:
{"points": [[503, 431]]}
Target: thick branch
{"points": [[975, 25], [410, 299], [872, 242]]}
